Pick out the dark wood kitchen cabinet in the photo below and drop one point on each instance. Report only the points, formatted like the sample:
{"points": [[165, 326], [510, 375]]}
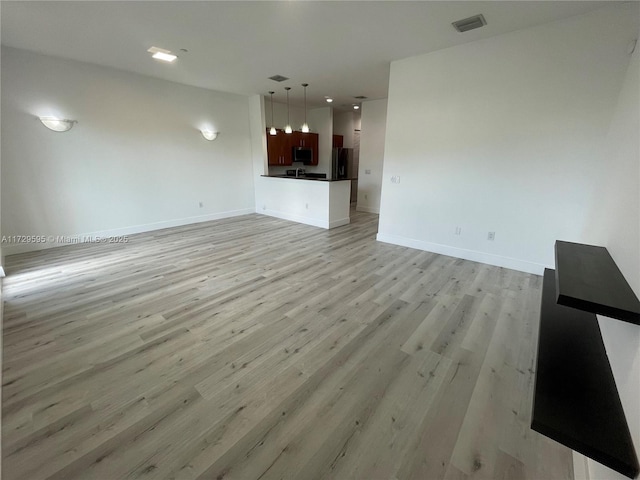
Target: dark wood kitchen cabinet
{"points": [[279, 148], [299, 139], [338, 141], [308, 140]]}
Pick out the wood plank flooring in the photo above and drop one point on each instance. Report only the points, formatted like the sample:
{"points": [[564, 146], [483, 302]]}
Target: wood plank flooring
{"points": [[256, 348]]}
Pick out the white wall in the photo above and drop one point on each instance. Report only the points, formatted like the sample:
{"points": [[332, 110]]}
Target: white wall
{"points": [[1, 285], [372, 135], [504, 135], [135, 161], [343, 124], [615, 223], [296, 115], [258, 139], [322, 121], [1, 252]]}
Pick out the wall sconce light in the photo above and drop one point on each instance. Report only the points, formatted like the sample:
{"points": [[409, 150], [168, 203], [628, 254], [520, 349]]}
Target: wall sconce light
{"points": [[57, 124], [209, 135]]}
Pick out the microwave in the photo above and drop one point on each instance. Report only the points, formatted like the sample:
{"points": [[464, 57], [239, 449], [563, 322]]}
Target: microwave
{"points": [[303, 154]]}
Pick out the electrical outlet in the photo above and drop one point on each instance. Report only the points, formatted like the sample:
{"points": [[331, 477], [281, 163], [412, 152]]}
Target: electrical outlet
{"points": [[458, 230], [366, 196], [395, 179], [264, 207], [306, 205], [491, 236], [201, 204], [367, 172]]}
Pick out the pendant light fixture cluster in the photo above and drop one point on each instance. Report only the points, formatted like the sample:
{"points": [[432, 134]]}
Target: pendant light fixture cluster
{"points": [[287, 128]]}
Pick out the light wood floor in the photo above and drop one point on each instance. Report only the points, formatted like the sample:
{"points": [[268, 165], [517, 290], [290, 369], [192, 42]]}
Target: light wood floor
{"points": [[256, 348]]}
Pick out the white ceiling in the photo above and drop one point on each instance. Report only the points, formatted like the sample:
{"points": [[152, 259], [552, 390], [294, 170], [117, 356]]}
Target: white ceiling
{"points": [[342, 49]]}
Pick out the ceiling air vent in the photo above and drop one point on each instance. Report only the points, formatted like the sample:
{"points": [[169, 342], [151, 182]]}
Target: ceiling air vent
{"points": [[360, 97], [470, 23], [278, 78]]}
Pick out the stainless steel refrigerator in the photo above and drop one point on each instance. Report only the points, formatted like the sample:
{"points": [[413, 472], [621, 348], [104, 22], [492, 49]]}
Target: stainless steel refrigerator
{"points": [[345, 165], [342, 163]]}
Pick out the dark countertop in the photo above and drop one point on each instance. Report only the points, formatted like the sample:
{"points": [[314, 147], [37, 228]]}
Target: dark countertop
{"points": [[307, 178], [589, 279], [575, 399]]}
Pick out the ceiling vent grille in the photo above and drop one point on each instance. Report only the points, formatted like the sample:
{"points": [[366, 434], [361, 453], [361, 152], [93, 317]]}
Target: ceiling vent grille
{"points": [[278, 78], [470, 23], [360, 97]]}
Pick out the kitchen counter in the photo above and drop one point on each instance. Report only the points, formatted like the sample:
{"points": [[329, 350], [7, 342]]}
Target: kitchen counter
{"points": [[302, 177], [322, 202]]}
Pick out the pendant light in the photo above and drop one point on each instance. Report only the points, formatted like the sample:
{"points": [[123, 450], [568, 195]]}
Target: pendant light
{"points": [[305, 126], [273, 129], [287, 128]]}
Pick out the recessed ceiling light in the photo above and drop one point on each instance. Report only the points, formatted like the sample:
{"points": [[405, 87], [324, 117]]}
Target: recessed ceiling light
{"points": [[356, 107], [161, 54], [328, 99], [165, 57]]}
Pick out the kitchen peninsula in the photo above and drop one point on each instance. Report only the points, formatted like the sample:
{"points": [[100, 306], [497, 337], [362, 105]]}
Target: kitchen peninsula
{"points": [[299, 179], [320, 202]]}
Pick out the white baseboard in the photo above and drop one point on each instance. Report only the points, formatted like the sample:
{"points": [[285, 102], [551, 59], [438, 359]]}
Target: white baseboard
{"points": [[315, 222], [119, 232], [362, 208], [473, 255], [339, 223]]}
